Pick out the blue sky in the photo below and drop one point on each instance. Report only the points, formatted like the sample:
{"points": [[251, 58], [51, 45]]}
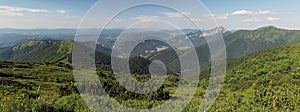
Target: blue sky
{"points": [[232, 14]]}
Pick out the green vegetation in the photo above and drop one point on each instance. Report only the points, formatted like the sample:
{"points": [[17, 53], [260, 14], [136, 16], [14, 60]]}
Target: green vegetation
{"points": [[244, 42], [268, 80], [38, 51], [51, 87], [264, 81], [36, 86], [41, 77]]}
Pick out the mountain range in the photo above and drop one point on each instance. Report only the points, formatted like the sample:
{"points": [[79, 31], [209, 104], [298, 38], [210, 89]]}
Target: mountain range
{"points": [[258, 79], [10, 37], [238, 44]]}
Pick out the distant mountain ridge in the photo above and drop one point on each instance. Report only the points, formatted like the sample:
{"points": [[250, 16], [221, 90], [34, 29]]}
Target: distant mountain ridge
{"points": [[238, 44], [10, 37], [200, 37], [219, 29]]}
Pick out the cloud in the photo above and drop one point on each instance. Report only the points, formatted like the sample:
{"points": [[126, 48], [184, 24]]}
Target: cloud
{"points": [[260, 20], [9, 13], [17, 11], [175, 14], [61, 11], [241, 12], [116, 19], [252, 20], [193, 20], [246, 12], [20, 9], [209, 15], [73, 17], [145, 18], [273, 19], [224, 16], [266, 12]]}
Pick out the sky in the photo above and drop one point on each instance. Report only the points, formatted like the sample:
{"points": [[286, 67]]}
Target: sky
{"points": [[231, 14]]}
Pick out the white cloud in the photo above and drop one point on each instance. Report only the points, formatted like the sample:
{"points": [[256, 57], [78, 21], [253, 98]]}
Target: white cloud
{"points": [[266, 12], [241, 12], [145, 18], [193, 19], [116, 19], [9, 13], [61, 11], [273, 19], [260, 20], [20, 9], [176, 14], [224, 16], [209, 15], [246, 12], [17, 11], [252, 20]]}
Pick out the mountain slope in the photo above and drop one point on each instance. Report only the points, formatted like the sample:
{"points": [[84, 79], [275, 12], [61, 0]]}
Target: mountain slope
{"points": [[238, 44], [61, 51], [266, 80], [199, 38], [244, 42], [38, 51]]}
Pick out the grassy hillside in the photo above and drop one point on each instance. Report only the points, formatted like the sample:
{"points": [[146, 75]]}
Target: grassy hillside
{"points": [[35, 86], [50, 51], [38, 51], [244, 42], [51, 87], [267, 80]]}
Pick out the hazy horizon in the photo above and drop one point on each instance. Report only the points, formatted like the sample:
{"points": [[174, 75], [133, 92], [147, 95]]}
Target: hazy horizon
{"points": [[67, 14], [142, 28]]}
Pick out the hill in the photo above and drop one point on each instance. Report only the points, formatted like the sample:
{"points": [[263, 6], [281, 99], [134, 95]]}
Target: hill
{"points": [[54, 51], [38, 51], [238, 44], [43, 51], [243, 42], [267, 80]]}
